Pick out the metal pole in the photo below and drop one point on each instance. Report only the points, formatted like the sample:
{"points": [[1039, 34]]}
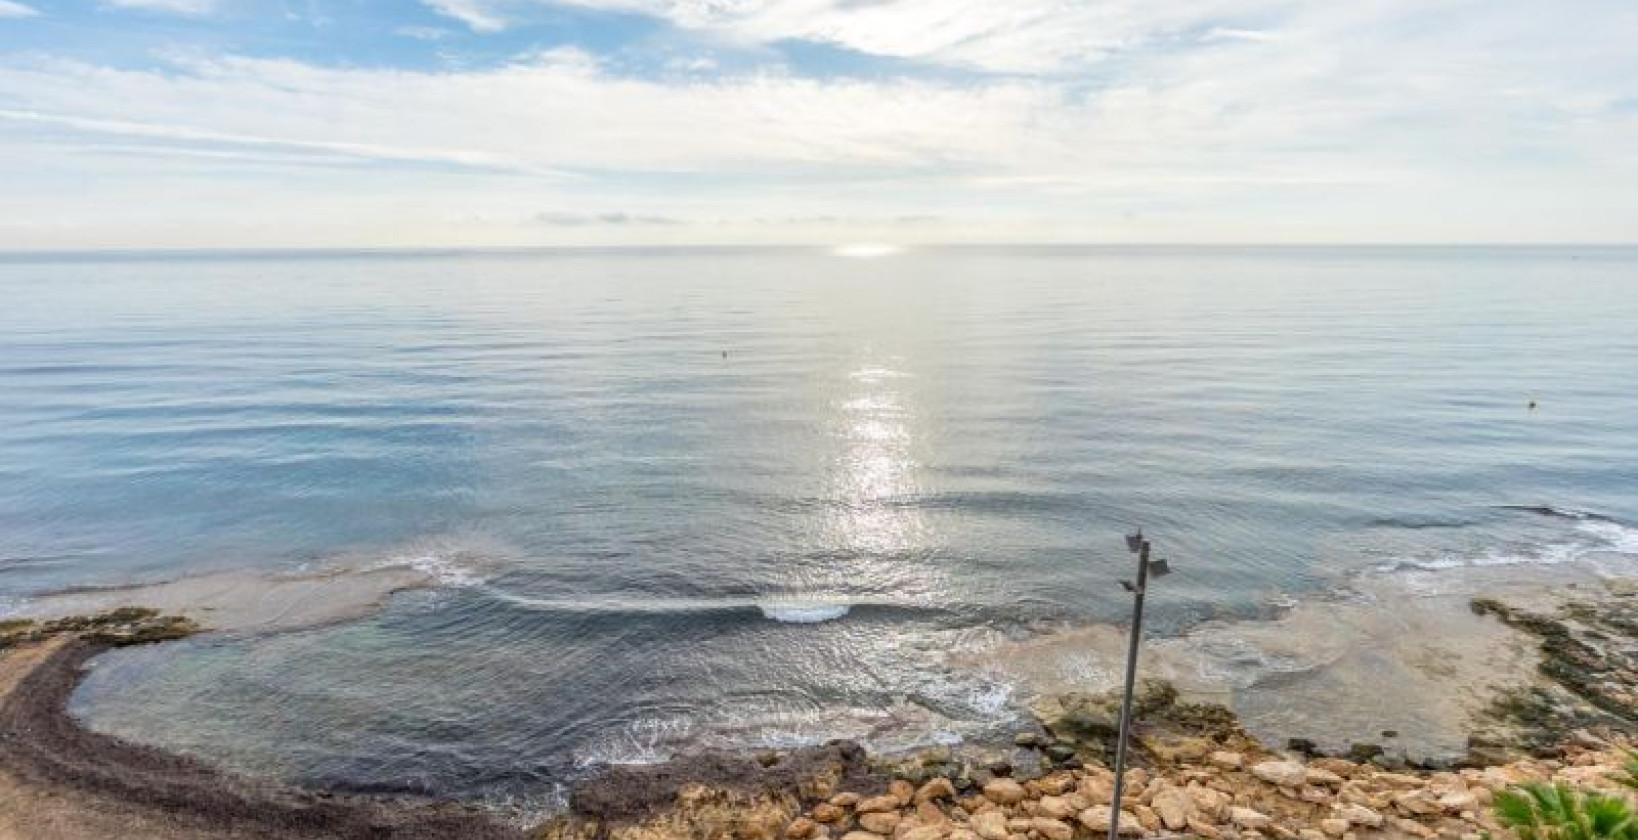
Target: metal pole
{"points": [[1126, 701]]}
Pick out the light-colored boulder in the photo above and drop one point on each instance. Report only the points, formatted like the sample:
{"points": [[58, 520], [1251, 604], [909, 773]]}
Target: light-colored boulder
{"points": [[1321, 776], [1359, 815], [1174, 806], [861, 835], [1458, 801], [1098, 816], [845, 800], [1004, 791], [1204, 828], [990, 825], [1249, 817], [880, 822], [901, 790], [1282, 773], [1334, 826], [1226, 760], [1056, 807], [877, 804], [826, 812], [924, 832], [801, 828], [939, 788], [1052, 829]]}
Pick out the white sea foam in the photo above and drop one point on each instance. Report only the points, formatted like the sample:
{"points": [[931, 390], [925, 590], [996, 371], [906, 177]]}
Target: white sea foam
{"points": [[443, 569], [794, 612]]}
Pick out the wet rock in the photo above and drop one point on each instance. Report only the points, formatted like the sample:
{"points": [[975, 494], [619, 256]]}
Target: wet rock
{"points": [[1362, 753], [1026, 739], [1302, 746]]}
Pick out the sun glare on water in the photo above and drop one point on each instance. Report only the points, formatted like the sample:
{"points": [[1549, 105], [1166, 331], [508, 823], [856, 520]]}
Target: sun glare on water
{"points": [[865, 250]]}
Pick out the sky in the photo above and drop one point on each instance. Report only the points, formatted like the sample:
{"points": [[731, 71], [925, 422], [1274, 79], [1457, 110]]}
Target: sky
{"points": [[390, 123]]}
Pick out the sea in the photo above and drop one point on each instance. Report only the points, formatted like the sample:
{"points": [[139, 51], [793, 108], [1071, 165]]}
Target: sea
{"points": [[674, 498]]}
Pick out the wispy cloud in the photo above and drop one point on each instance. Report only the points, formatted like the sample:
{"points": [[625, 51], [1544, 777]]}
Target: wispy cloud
{"points": [[10, 9], [181, 7], [1205, 119], [480, 15]]}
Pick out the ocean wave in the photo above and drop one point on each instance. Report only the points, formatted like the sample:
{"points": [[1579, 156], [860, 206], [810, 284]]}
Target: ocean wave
{"points": [[1558, 512], [444, 570], [804, 613], [1599, 535]]}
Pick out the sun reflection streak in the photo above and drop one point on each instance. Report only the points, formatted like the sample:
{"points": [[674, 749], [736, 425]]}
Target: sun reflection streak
{"points": [[875, 477]]}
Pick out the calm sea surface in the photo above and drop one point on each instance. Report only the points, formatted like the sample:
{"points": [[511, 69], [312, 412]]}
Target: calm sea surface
{"points": [[751, 496]]}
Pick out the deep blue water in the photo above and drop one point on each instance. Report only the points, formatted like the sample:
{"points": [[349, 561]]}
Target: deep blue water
{"points": [[749, 496]]}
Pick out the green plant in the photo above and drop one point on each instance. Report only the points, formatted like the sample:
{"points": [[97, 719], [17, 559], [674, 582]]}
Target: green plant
{"points": [[1560, 812], [1628, 776]]}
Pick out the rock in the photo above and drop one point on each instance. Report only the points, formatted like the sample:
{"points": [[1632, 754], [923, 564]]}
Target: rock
{"points": [[1204, 829], [1282, 773], [877, 804], [845, 800], [1359, 815], [1061, 751], [1099, 791], [801, 828], [1212, 804], [1056, 807], [1004, 792], [1026, 739], [990, 825], [1174, 806], [929, 814], [1310, 834], [1302, 746], [1249, 818], [1052, 829], [939, 788], [1321, 776], [1458, 801], [827, 812], [1334, 826], [901, 790], [1314, 795], [880, 822], [926, 832], [861, 835], [1417, 802], [1097, 818], [1147, 817], [1226, 760], [1361, 753], [1412, 827], [1056, 784], [961, 834]]}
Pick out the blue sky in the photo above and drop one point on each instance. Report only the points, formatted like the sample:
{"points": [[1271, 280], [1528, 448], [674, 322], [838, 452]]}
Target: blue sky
{"points": [[266, 123]]}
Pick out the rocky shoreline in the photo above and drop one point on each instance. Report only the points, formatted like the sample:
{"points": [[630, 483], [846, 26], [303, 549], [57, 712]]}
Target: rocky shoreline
{"points": [[1197, 771]]}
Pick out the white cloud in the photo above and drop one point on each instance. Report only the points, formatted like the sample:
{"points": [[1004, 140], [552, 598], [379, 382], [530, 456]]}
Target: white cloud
{"points": [[1374, 121], [9, 9], [181, 7], [480, 15]]}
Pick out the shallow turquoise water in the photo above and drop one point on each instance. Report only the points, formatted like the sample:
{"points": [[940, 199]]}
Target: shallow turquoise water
{"points": [[749, 496]]}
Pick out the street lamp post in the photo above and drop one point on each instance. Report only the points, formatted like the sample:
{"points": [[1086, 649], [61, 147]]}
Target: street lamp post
{"points": [[1139, 546]]}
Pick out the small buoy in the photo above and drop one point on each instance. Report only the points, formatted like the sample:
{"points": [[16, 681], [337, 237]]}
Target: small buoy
{"points": [[1532, 405], [725, 355]]}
